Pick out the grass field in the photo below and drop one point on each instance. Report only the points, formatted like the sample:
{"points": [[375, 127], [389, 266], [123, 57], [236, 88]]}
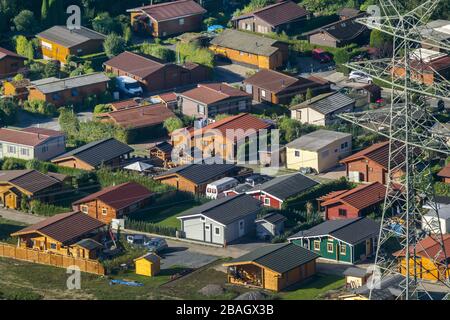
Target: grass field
{"points": [[314, 288], [165, 215]]}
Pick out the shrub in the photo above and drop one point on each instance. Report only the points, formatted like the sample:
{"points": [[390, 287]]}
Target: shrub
{"points": [[114, 45], [192, 53], [45, 209], [40, 107], [13, 164], [158, 51], [173, 123]]}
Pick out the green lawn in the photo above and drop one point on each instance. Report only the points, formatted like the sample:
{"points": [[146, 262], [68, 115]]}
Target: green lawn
{"points": [[314, 287], [165, 215]]}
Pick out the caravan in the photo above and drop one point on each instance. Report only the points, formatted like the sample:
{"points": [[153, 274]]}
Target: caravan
{"points": [[214, 190]]}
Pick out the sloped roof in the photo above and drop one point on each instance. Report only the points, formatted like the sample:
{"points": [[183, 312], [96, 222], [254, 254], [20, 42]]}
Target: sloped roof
{"points": [[317, 140], [30, 180], [360, 197], [272, 218], [285, 186], [351, 231], [51, 85], [349, 12], [151, 257], [199, 173], [213, 92], [6, 53], [28, 137], [96, 152], [246, 42], [378, 152], [275, 81], [226, 209], [171, 10], [141, 116], [89, 244], [343, 30], [278, 13], [429, 247], [280, 257], [125, 104], [240, 122], [70, 38], [135, 64], [120, 196], [64, 227], [445, 172], [326, 103]]}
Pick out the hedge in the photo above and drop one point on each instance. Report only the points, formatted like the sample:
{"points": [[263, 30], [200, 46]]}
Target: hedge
{"points": [[45, 209], [150, 227]]}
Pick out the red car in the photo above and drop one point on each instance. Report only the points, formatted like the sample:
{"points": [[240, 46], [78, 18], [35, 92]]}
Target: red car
{"points": [[321, 55]]}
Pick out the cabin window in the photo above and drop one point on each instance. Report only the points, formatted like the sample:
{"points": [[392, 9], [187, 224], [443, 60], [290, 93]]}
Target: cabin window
{"points": [[317, 245], [200, 109], [267, 201], [84, 209], [343, 249], [330, 247], [344, 145], [74, 92], [55, 96], [104, 211], [24, 152], [217, 231], [342, 212], [11, 149], [53, 246], [181, 21], [297, 153], [263, 93]]}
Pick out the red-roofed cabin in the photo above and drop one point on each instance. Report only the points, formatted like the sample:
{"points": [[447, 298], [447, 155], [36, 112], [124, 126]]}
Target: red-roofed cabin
{"points": [[114, 202], [353, 203], [10, 63], [445, 173], [370, 164]]}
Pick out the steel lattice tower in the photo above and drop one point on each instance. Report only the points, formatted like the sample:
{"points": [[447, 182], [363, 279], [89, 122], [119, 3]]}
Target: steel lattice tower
{"points": [[407, 124]]}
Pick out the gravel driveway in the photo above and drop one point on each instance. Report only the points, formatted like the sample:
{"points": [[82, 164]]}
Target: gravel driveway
{"points": [[181, 256]]}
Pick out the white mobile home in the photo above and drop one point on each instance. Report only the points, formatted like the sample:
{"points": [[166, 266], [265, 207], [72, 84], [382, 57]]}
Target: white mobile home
{"points": [[214, 190]]}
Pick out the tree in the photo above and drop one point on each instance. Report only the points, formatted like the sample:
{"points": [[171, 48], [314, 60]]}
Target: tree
{"points": [[8, 112], [114, 45], [39, 107], [51, 69], [18, 77], [127, 34], [102, 108], [158, 51], [297, 99], [173, 123], [44, 11], [341, 56], [105, 24], [21, 45], [25, 21], [68, 122], [309, 94]]}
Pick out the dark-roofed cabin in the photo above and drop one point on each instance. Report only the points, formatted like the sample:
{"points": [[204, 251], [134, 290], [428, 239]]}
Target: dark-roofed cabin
{"points": [[107, 152], [322, 110], [250, 49], [114, 202], [346, 241], [221, 221], [195, 177], [10, 63], [279, 88], [273, 267], [72, 90], [340, 33], [275, 192], [153, 74], [208, 100], [270, 225], [25, 185], [72, 234], [59, 42], [169, 18], [353, 203], [277, 17]]}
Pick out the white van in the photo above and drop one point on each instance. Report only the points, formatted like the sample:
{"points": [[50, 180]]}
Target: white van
{"points": [[129, 87], [214, 190]]}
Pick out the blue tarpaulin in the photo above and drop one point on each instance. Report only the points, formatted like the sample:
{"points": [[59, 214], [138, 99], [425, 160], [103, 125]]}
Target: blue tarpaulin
{"points": [[215, 27], [127, 283]]}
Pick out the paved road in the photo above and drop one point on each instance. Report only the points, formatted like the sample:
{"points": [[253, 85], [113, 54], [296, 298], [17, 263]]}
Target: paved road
{"points": [[19, 216]]}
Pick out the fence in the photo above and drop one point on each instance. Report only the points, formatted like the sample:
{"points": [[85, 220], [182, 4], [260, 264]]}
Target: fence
{"points": [[57, 260]]}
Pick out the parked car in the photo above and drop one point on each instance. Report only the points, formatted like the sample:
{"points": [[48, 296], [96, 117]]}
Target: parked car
{"points": [[358, 76], [307, 170], [129, 87], [256, 179], [137, 239], [157, 245], [321, 56]]}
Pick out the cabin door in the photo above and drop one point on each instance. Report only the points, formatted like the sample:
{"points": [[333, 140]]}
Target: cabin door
{"points": [[241, 228], [208, 233], [368, 247]]}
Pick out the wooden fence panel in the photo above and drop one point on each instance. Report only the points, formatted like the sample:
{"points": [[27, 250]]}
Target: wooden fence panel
{"points": [[53, 259]]}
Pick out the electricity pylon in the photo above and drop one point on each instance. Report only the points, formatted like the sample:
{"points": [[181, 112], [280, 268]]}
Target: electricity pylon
{"points": [[407, 123]]}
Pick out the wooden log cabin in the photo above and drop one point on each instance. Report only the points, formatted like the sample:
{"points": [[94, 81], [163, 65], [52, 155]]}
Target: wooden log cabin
{"points": [[58, 42], [19, 185], [114, 202], [272, 267], [73, 234], [428, 249], [10, 63], [161, 153]]}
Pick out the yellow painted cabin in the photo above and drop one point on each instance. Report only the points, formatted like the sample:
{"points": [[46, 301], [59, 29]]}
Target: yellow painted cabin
{"points": [[148, 265]]}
